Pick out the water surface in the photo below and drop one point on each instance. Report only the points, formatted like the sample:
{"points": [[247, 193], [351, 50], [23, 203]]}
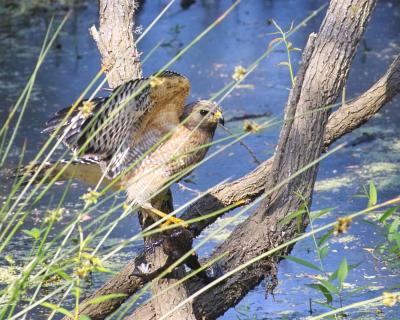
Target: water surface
{"points": [[240, 39]]}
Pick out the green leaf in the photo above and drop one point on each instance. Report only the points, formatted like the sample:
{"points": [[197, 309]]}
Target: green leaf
{"points": [[343, 271], [329, 286], [57, 308], [316, 214], [103, 269], [106, 297], [291, 216], [84, 317], [372, 195], [324, 238], [34, 233], [323, 252], [393, 229], [388, 213], [303, 262], [334, 275], [325, 305], [323, 290], [62, 274]]}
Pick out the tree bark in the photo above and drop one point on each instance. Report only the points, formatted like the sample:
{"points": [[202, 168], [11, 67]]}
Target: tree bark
{"points": [[322, 90], [358, 112], [326, 63], [121, 61], [115, 41]]}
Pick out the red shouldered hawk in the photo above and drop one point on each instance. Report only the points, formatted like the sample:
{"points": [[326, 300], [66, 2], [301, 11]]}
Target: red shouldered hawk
{"points": [[142, 133]]}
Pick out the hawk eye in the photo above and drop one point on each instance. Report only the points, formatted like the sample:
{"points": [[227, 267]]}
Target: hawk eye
{"points": [[203, 112]]}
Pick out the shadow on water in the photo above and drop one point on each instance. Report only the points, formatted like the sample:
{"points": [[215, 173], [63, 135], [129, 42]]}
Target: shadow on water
{"points": [[209, 65]]}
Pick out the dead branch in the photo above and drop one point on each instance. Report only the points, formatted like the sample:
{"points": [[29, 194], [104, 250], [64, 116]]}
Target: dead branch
{"points": [[248, 116], [115, 41], [326, 63], [249, 187]]}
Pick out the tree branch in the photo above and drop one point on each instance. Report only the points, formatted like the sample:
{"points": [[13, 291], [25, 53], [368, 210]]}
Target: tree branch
{"points": [[326, 63], [249, 187], [252, 185], [346, 119], [116, 43], [352, 115]]}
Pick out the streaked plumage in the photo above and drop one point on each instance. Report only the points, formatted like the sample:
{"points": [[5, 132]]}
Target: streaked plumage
{"points": [[136, 132]]}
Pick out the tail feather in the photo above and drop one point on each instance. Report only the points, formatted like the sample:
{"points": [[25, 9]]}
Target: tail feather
{"points": [[35, 172], [84, 170]]}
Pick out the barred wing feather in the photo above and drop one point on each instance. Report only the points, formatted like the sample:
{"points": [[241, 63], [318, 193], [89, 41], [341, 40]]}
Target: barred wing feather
{"points": [[118, 123]]}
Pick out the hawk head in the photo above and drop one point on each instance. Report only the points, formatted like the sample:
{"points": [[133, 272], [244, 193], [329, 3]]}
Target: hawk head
{"points": [[202, 114]]}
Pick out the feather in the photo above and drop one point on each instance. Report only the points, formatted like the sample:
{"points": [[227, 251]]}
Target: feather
{"points": [[117, 123]]}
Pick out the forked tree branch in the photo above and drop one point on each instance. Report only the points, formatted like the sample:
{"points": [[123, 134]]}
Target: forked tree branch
{"points": [[325, 67], [121, 62], [346, 119], [254, 184]]}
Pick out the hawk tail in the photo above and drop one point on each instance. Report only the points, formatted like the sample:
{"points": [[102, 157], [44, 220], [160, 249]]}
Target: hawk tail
{"points": [[82, 169]]}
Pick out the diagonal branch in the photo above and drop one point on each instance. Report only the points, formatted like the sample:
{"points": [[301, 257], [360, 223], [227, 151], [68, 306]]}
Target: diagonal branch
{"points": [[343, 121], [249, 187], [252, 185]]}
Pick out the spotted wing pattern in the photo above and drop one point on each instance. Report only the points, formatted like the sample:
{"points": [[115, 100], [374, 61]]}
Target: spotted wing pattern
{"points": [[116, 124]]}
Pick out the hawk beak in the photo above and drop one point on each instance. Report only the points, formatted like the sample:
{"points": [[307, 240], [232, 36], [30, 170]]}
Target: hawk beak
{"points": [[218, 117]]}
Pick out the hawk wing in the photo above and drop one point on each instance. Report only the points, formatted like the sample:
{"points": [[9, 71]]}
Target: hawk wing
{"points": [[114, 126]]}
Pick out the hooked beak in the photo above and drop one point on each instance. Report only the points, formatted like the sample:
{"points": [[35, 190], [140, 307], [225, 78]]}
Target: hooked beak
{"points": [[218, 117]]}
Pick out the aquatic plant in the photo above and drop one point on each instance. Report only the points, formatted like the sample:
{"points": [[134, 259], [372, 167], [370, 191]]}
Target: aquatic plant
{"points": [[67, 261]]}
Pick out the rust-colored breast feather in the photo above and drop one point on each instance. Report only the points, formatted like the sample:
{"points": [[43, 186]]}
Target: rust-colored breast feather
{"points": [[176, 155]]}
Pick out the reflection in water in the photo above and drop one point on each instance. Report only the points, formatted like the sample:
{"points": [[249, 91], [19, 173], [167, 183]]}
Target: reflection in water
{"points": [[238, 40]]}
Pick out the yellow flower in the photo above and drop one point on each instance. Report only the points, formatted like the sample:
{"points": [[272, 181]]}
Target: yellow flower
{"points": [[127, 206], [342, 225], [83, 271], [90, 197], [54, 215], [239, 73], [251, 126], [154, 81], [390, 299], [86, 108]]}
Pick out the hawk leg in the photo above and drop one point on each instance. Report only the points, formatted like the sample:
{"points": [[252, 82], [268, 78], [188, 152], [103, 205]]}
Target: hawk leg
{"points": [[169, 219]]}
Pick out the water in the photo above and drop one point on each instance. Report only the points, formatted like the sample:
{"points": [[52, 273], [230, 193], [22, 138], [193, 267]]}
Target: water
{"points": [[240, 39]]}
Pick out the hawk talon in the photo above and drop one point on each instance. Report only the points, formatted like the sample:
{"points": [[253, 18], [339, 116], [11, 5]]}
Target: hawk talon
{"points": [[169, 219]]}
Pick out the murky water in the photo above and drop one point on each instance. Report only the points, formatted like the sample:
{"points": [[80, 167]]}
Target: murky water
{"points": [[239, 40]]}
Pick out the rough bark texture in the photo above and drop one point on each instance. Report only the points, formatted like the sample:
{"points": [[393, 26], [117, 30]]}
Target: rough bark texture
{"points": [[326, 65], [171, 251], [115, 41], [344, 120], [356, 113]]}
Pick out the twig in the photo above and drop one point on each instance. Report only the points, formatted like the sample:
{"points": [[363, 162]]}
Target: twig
{"points": [[248, 116]]}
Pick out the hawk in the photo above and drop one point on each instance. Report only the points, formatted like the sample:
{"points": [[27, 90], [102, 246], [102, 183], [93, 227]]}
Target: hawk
{"points": [[142, 135]]}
